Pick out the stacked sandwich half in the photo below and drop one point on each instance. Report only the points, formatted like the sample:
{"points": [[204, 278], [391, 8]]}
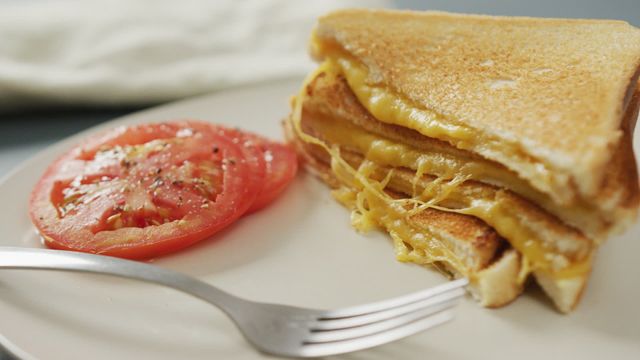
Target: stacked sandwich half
{"points": [[494, 148]]}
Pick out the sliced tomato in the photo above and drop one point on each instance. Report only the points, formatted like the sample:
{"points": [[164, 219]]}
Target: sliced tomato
{"points": [[143, 191]]}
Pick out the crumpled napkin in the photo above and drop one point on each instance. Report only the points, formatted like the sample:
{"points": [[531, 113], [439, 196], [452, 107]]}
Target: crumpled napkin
{"points": [[126, 52]]}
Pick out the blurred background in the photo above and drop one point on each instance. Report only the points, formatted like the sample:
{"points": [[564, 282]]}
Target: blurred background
{"points": [[66, 65]]}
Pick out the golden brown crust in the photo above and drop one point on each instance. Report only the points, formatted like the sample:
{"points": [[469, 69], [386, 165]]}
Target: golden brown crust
{"points": [[469, 238], [554, 87]]}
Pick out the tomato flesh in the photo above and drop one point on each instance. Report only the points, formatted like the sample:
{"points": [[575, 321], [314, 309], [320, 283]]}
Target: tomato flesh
{"points": [[143, 191]]}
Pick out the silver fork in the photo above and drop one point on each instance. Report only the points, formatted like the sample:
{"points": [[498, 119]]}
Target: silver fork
{"points": [[272, 328]]}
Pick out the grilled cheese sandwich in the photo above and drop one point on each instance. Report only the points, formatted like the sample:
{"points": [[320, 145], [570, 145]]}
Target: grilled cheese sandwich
{"points": [[365, 126]]}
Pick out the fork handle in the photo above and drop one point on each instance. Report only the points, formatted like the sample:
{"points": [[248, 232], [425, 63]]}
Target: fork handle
{"points": [[44, 259]]}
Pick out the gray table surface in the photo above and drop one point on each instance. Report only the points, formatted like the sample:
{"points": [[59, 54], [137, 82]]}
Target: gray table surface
{"points": [[24, 133]]}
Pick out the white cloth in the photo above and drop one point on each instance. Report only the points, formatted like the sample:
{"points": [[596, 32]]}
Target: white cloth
{"points": [[123, 52]]}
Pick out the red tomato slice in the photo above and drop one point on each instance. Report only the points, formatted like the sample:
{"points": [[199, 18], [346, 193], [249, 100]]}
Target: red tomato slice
{"points": [[144, 191]]}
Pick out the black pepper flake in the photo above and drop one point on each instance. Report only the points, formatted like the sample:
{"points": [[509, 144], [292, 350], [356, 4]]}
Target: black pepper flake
{"points": [[215, 149], [157, 182], [158, 171], [232, 161]]}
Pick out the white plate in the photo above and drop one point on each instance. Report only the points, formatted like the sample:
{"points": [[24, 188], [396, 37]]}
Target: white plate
{"points": [[300, 251]]}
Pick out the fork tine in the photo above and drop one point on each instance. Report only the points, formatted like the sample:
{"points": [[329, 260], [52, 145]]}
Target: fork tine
{"points": [[366, 319], [379, 326], [339, 347], [395, 302]]}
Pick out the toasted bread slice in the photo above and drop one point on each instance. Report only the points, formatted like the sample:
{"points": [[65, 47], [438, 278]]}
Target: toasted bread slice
{"points": [[339, 113], [544, 97]]}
